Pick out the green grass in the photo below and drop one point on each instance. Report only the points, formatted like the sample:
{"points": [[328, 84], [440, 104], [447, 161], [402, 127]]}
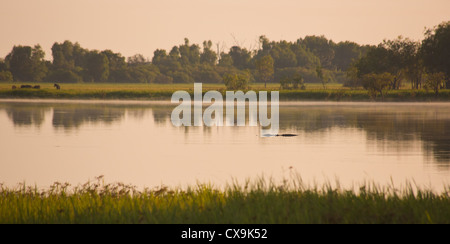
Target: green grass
{"points": [[260, 202], [314, 92]]}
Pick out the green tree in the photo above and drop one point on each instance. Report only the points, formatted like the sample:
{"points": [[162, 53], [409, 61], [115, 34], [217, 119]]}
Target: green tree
{"points": [[6, 76], [352, 80], [376, 84], [321, 47], [63, 76], [117, 66], [69, 61], [282, 55], [27, 63], [264, 67], [175, 53], [144, 73], [236, 81], [208, 56], [294, 82], [206, 74], [97, 67], [63, 56], [398, 57], [304, 57], [435, 82], [345, 54], [241, 57], [322, 76], [189, 54], [435, 50], [139, 59], [225, 60], [3, 66], [158, 56]]}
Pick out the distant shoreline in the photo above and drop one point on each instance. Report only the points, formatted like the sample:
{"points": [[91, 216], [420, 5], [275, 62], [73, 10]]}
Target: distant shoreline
{"points": [[319, 95], [143, 92]]}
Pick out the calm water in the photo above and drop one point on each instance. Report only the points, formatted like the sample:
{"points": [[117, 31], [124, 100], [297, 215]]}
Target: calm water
{"points": [[43, 142]]}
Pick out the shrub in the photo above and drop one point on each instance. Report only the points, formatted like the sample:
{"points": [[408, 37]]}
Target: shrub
{"points": [[236, 81], [6, 76], [63, 76]]}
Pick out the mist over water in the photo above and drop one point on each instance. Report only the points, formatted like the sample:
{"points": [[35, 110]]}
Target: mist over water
{"points": [[43, 142]]}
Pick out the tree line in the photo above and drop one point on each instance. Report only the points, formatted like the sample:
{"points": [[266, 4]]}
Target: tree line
{"points": [[422, 64], [313, 59]]}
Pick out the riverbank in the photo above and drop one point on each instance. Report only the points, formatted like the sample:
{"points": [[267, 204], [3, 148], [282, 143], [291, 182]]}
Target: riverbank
{"points": [[253, 203], [164, 92]]}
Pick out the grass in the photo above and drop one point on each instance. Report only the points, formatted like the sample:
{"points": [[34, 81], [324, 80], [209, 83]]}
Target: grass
{"points": [[258, 202], [314, 92]]}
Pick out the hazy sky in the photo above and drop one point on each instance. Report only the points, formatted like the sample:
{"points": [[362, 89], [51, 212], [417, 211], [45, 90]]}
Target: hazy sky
{"points": [[141, 26]]}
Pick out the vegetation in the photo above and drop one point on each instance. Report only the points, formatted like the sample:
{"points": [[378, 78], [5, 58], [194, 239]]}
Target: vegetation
{"points": [[389, 66], [264, 67], [186, 63], [293, 83], [258, 202], [435, 81], [377, 83], [406, 60], [235, 82], [314, 92]]}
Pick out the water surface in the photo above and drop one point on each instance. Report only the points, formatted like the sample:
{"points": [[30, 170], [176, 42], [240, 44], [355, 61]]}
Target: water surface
{"points": [[134, 142]]}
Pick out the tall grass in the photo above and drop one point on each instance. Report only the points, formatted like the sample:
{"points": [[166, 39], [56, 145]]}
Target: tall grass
{"points": [[257, 202]]}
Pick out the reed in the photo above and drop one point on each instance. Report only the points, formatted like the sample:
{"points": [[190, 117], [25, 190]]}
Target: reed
{"points": [[254, 202]]}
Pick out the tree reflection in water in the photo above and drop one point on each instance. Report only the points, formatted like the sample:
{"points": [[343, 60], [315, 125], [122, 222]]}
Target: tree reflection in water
{"points": [[388, 125]]}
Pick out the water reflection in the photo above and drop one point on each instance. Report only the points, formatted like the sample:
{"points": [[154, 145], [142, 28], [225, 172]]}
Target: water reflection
{"points": [[391, 127], [26, 115], [70, 118]]}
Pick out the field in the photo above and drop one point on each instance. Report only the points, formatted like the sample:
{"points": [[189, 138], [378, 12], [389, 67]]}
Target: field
{"points": [[258, 202], [313, 92]]}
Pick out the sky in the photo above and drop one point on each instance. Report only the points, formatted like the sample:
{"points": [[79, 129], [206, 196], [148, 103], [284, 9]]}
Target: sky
{"points": [[142, 26]]}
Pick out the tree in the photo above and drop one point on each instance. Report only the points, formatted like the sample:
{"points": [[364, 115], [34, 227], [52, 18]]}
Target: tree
{"points": [[321, 47], [139, 59], [264, 67], [6, 76], [116, 60], [206, 74], [304, 57], [435, 81], [189, 54], [225, 60], [175, 53], [208, 56], [353, 80], [63, 56], [377, 83], [3, 66], [283, 56], [27, 63], [345, 54], [97, 67], [63, 76], [117, 66], [241, 57], [236, 81], [322, 77], [435, 50], [294, 82]]}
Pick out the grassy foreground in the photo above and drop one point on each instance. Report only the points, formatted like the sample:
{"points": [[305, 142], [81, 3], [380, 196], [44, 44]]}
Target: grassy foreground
{"points": [[314, 92], [259, 202]]}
